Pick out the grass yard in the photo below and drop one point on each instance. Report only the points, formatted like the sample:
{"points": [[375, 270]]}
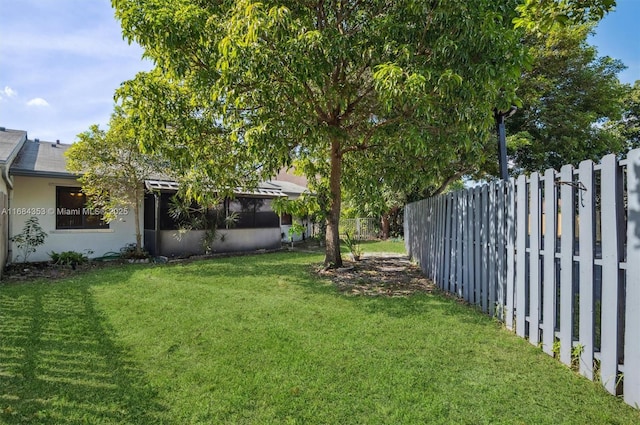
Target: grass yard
{"points": [[390, 246], [262, 340]]}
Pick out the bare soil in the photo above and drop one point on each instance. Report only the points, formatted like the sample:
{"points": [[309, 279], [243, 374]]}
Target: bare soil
{"points": [[389, 275]]}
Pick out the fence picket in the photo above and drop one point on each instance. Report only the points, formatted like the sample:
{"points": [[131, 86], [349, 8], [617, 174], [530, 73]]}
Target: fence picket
{"points": [[610, 215], [567, 196], [549, 278], [511, 258], [521, 256], [468, 249], [534, 260], [492, 249], [478, 212], [459, 254], [632, 317], [484, 235], [500, 247], [586, 235]]}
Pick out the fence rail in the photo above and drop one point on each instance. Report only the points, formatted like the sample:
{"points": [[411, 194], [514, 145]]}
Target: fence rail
{"points": [[556, 256], [359, 228]]}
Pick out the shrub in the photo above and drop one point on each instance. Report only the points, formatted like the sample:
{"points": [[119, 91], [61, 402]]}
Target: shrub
{"points": [[72, 258], [31, 237], [129, 252]]}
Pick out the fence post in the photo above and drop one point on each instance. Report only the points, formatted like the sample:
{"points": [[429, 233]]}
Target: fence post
{"points": [[632, 315]]}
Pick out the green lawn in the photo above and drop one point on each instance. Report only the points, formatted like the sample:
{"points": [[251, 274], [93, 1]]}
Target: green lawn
{"points": [[375, 246], [261, 340]]}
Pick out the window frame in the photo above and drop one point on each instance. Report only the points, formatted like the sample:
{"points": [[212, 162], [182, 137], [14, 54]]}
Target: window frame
{"points": [[79, 211]]}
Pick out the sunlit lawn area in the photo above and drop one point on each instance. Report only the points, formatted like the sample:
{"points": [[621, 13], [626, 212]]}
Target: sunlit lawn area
{"points": [[262, 340]]}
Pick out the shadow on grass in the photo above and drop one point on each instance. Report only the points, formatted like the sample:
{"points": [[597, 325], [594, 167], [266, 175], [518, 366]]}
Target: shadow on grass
{"points": [[59, 363]]}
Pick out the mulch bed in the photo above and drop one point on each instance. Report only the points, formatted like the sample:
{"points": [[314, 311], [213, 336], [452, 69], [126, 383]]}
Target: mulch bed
{"points": [[379, 275]]}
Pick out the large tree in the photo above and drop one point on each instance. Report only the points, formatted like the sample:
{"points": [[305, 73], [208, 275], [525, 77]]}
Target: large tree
{"points": [[567, 96], [113, 170], [629, 126], [268, 83]]}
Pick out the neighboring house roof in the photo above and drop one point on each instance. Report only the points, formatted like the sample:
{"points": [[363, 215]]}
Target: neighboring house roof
{"points": [[42, 159], [47, 159], [10, 143], [262, 190], [290, 189]]}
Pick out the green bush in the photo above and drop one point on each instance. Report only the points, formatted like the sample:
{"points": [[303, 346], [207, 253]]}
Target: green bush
{"points": [[68, 258]]}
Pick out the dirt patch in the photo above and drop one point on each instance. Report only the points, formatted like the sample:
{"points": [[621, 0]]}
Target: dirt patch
{"points": [[20, 272], [389, 275]]}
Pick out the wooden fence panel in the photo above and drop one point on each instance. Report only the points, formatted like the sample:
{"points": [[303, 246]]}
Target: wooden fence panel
{"points": [[492, 249], [500, 248], [497, 246], [632, 317], [586, 236], [534, 260], [511, 257], [459, 253], [468, 266], [567, 196], [484, 242], [610, 216], [522, 208], [549, 278], [443, 284], [478, 258]]}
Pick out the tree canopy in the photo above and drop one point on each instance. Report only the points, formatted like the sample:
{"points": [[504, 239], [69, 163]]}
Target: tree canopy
{"points": [[243, 88], [568, 97], [112, 169], [367, 94]]}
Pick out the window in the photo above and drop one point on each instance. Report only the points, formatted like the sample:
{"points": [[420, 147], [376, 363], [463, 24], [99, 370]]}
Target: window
{"points": [[253, 212], [286, 219], [72, 211]]}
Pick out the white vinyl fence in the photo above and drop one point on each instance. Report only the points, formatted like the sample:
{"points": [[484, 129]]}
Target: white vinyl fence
{"points": [[556, 256], [359, 228]]}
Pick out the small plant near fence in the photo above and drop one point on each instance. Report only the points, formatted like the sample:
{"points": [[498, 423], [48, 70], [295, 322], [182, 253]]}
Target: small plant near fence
{"points": [[296, 229], [354, 247], [31, 237]]}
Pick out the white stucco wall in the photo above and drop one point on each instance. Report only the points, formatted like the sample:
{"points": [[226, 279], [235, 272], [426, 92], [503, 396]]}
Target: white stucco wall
{"points": [[284, 231], [4, 224], [39, 194]]}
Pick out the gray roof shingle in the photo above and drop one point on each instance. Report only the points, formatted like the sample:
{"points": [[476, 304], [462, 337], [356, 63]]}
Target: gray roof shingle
{"points": [[41, 159], [10, 141]]}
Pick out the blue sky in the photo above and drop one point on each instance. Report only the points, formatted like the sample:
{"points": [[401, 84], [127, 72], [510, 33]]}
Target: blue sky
{"points": [[61, 61]]}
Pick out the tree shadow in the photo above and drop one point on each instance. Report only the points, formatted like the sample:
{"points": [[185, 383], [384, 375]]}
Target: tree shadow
{"points": [[59, 362]]}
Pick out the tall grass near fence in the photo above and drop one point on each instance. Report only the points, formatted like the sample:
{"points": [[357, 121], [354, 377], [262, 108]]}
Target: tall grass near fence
{"points": [[556, 256]]}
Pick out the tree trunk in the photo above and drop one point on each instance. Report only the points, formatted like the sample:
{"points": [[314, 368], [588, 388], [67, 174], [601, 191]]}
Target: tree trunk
{"points": [[332, 237], [136, 213], [385, 225]]}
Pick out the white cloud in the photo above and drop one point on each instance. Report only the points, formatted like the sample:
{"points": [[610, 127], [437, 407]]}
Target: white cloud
{"points": [[8, 92], [38, 101]]}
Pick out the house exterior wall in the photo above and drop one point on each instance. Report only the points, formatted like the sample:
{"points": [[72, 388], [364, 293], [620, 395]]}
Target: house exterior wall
{"points": [[4, 224], [36, 196], [172, 243], [284, 231]]}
